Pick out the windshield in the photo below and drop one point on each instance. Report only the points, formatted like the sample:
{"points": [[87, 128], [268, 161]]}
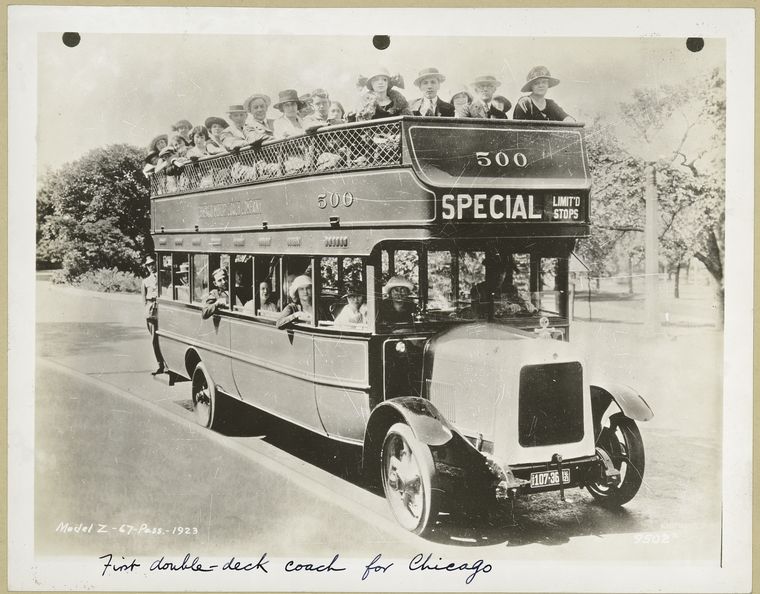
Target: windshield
{"points": [[499, 281]]}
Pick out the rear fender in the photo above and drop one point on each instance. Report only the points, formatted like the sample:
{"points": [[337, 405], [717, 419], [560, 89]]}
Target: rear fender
{"points": [[630, 403]]}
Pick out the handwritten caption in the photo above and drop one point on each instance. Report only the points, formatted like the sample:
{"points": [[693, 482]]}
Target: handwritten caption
{"points": [[419, 563]]}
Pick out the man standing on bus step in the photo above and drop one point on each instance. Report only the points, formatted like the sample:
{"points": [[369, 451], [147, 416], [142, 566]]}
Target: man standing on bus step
{"points": [[430, 104], [150, 294], [218, 298]]}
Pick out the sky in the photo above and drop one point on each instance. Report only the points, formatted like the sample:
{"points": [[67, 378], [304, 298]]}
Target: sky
{"points": [[115, 88]]}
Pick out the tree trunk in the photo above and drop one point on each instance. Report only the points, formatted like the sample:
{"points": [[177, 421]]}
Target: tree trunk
{"points": [[630, 274], [711, 258], [676, 292]]}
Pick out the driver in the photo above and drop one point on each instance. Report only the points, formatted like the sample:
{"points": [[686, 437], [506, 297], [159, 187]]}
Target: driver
{"points": [[396, 308], [499, 289]]}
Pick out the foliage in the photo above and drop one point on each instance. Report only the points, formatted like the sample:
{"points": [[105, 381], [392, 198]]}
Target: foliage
{"points": [[94, 213], [110, 280]]}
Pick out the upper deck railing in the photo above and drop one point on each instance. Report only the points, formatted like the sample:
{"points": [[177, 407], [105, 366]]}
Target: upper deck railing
{"points": [[348, 147]]}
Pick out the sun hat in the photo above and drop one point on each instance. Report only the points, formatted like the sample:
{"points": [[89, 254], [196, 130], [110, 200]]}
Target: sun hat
{"points": [[286, 96], [354, 288], [152, 146], [459, 90], [393, 81], [397, 281], [236, 109], [215, 120], [535, 73], [486, 80], [429, 73], [247, 103], [181, 123], [298, 283], [149, 260]]}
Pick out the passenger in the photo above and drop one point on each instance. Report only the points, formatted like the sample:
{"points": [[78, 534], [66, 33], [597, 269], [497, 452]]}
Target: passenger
{"points": [[200, 139], [149, 295], [301, 308], [355, 310], [266, 298], [215, 127], [321, 104], [290, 123], [336, 114], [429, 82], [461, 99], [233, 137], [536, 106], [397, 308], [307, 106], [151, 159], [219, 297], [502, 104], [258, 127], [388, 101], [498, 290], [159, 143], [181, 130], [485, 87]]}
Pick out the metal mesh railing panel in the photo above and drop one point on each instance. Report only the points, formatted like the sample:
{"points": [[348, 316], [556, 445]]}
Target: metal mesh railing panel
{"points": [[341, 150]]}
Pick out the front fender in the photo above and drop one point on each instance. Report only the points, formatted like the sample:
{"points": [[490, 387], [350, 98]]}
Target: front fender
{"points": [[630, 402]]}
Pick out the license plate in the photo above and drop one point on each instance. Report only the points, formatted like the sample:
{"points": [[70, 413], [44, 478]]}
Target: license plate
{"points": [[548, 478]]}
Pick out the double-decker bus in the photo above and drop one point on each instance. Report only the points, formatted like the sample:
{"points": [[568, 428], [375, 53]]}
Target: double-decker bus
{"points": [[471, 395]]}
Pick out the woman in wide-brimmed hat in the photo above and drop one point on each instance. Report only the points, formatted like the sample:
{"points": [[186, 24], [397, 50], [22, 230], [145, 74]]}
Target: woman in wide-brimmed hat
{"points": [[397, 308], [355, 310], [290, 123], [536, 106], [388, 101], [215, 125], [301, 308], [258, 127], [159, 143]]}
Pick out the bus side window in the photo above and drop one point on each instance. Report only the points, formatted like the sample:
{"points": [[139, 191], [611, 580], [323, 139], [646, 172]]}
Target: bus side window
{"points": [[165, 276], [292, 266], [242, 281], [200, 274], [350, 309], [181, 266]]}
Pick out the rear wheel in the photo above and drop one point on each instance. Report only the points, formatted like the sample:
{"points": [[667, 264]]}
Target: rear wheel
{"points": [[622, 443], [205, 400], [408, 476]]}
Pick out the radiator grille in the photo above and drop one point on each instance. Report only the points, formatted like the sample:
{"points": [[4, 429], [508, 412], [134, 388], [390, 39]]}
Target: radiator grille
{"points": [[551, 404]]}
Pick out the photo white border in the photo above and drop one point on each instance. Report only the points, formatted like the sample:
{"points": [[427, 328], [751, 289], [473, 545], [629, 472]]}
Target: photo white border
{"points": [[735, 25]]}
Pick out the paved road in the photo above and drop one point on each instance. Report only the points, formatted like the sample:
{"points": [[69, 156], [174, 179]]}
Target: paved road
{"points": [[117, 446]]}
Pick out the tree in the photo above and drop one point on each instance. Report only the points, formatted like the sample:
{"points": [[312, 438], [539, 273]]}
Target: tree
{"points": [[95, 212]]}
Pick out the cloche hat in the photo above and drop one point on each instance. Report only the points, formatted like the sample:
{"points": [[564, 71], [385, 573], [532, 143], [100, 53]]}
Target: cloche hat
{"points": [[393, 80], [182, 123], [298, 283], [486, 80], [215, 120], [429, 73], [354, 288], [461, 90], [397, 281], [286, 96], [149, 260], [247, 103], [538, 72]]}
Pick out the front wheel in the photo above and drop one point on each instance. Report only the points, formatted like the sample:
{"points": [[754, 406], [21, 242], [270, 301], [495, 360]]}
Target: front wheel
{"points": [[621, 441], [408, 476]]}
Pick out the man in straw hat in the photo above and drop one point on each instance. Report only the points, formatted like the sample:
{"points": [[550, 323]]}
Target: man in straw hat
{"points": [[429, 83], [258, 127], [219, 297], [233, 137], [536, 106], [149, 295], [485, 86]]}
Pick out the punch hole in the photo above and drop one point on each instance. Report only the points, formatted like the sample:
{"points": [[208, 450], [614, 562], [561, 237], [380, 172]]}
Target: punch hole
{"points": [[381, 42], [695, 44], [71, 39]]}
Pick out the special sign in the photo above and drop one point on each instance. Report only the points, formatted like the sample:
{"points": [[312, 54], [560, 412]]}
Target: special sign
{"points": [[512, 207]]}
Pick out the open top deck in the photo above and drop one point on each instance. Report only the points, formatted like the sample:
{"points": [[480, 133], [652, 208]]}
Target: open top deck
{"points": [[347, 187]]}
